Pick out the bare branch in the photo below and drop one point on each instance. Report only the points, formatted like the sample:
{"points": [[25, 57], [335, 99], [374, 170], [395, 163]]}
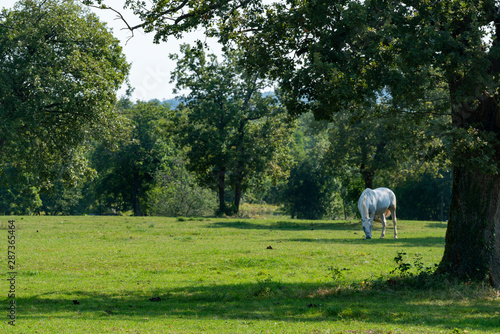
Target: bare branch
{"points": [[169, 14], [120, 17], [6, 26]]}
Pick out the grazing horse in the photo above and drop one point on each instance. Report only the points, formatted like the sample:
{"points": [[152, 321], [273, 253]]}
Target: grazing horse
{"points": [[381, 203]]}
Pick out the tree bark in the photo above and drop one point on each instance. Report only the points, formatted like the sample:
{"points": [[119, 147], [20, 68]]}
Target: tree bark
{"points": [[238, 190], [237, 198], [344, 207], [441, 207], [238, 187], [472, 250], [367, 173]]}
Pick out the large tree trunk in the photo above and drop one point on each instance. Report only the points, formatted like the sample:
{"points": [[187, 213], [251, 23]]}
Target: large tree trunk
{"points": [[367, 173], [238, 191], [237, 198], [472, 250], [238, 187]]}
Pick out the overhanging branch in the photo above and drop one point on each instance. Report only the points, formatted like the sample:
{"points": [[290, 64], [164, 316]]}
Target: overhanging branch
{"points": [[152, 17]]}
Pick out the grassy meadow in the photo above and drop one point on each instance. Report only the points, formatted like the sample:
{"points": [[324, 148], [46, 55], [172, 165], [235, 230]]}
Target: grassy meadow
{"points": [[103, 274]]}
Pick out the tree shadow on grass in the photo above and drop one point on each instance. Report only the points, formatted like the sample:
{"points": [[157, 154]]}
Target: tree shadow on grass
{"points": [[274, 301], [387, 241], [438, 225], [286, 225], [358, 235]]}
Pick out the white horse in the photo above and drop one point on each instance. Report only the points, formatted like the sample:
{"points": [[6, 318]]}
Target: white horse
{"points": [[380, 203]]}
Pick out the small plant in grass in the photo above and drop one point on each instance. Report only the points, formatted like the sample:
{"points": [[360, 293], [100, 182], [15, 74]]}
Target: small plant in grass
{"points": [[267, 288], [414, 273], [336, 274], [403, 268]]}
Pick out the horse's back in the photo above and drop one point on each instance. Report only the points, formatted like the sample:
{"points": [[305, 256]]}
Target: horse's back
{"points": [[386, 197]]}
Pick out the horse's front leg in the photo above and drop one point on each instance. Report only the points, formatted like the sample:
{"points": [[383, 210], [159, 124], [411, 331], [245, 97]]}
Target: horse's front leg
{"points": [[384, 221]]}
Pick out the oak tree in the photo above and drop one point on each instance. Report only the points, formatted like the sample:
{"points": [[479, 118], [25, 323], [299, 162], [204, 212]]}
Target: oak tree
{"points": [[128, 166], [60, 69], [232, 130]]}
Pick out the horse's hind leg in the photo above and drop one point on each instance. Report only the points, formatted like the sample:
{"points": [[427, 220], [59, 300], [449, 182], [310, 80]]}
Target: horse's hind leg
{"points": [[393, 213]]}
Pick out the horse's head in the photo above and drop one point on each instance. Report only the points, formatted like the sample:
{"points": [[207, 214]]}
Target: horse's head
{"points": [[367, 227]]}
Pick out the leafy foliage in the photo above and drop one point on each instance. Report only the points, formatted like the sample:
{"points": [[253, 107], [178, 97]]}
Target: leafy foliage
{"points": [[60, 70], [177, 194], [175, 17], [63, 200], [18, 195], [127, 171], [425, 198], [233, 132], [308, 193]]}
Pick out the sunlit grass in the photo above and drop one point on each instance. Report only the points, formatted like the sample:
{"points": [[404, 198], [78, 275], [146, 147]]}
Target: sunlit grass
{"points": [[160, 275]]}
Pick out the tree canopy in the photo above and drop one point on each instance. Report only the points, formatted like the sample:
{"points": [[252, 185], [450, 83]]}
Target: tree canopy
{"points": [[333, 56], [60, 69], [128, 167], [175, 17], [233, 132]]}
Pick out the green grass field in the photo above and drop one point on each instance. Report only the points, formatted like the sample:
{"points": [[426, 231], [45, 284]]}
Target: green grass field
{"points": [[164, 275]]}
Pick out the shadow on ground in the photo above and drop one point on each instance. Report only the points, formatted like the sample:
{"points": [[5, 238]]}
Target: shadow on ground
{"points": [[387, 241], [438, 225], [269, 300], [355, 227], [288, 225]]}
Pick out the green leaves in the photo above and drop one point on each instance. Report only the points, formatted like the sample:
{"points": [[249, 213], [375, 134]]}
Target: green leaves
{"points": [[167, 18], [60, 71], [127, 170], [233, 132], [474, 149]]}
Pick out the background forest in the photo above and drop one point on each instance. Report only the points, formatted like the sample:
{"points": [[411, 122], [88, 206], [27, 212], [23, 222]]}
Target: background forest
{"points": [[146, 172], [230, 138]]}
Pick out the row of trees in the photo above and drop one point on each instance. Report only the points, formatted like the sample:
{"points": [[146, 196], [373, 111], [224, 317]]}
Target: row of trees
{"points": [[225, 137], [159, 165]]}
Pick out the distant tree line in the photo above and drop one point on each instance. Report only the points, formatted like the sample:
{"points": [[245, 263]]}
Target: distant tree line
{"points": [[146, 170], [224, 142]]}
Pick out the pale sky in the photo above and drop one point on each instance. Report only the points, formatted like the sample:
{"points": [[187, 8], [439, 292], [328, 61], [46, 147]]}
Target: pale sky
{"points": [[151, 66]]}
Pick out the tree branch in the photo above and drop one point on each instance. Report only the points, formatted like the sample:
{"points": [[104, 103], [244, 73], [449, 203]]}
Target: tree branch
{"points": [[151, 17], [6, 26], [120, 17]]}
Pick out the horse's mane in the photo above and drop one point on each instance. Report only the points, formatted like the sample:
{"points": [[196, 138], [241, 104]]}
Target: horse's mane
{"points": [[363, 204]]}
